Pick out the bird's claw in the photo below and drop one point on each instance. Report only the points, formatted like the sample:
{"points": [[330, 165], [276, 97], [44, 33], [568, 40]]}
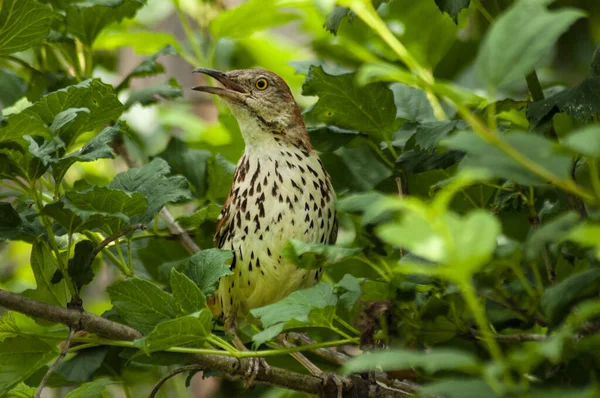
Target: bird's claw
{"points": [[254, 365], [339, 382]]}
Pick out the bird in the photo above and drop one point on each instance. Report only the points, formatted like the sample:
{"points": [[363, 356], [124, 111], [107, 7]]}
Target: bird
{"points": [[280, 191]]}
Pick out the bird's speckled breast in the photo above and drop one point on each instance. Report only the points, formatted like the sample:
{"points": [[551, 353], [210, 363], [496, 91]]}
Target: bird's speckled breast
{"points": [[278, 193]]}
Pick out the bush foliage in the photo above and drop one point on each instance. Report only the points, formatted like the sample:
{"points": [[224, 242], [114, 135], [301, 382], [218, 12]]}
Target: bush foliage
{"points": [[463, 142]]}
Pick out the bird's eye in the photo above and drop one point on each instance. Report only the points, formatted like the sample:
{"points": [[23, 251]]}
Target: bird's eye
{"points": [[261, 83]]}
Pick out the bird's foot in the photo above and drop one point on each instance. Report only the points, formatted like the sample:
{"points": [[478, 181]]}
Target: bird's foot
{"points": [[339, 382], [254, 365]]}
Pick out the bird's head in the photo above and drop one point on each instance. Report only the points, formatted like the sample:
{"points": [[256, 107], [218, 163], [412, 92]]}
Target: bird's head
{"points": [[262, 103]]}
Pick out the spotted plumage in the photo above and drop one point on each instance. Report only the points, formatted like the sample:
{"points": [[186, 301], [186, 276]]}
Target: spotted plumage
{"points": [[280, 191]]}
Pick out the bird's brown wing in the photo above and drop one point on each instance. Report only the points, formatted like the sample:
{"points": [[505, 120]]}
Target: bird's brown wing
{"points": [[223, 223]]}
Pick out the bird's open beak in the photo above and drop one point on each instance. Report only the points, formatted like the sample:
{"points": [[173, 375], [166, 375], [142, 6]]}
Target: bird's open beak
{"points": [[230, 89]]}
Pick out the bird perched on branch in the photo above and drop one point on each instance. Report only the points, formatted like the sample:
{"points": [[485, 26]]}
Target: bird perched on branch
{"points": [[280, 191]]}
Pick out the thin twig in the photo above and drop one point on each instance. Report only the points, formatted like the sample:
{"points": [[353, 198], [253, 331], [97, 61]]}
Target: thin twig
{"points": [[63, 354], [162, 381], [116, 236]]}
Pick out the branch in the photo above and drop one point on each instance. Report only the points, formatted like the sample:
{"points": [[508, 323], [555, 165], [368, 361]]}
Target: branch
{"points": [[71, 317], [278, 377], [186, 241]]}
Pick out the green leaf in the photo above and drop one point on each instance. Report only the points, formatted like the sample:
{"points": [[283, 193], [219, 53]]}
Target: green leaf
{"points": [[44, 265], [14, 226], [151, 181], [468, 243], [315, 255], [550, 232], [351, 289], [194, 220], [427, 46], [191, 163], [151, 95], [458, 388], [187, 294], [62, 109], [580, 102], [142, 42], [45, 153], [148, 67], [416, 161], [330, 138], [412, 103], [93, 95], [12, 87], [65, 118], [586, 234], [23, 23], [93, 389], [8, 326], [26, 122], [80, 266], [558, 299], [452, 7], [142, 304], [439, 330], [369, 109], [82, 366], [96, 148], [249, 17], [432, 361], [220, 174], [508, 54], [22, 390], [334, 18], [481, 154], [430, 133], [361, 168], [86, 19], [20, 357], [109, 210], [207, 267], [187, 331], [585, 141], [312, 307]]}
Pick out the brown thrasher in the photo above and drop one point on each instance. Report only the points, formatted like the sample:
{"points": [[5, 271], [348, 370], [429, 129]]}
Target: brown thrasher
{"points": [[280, 191]]}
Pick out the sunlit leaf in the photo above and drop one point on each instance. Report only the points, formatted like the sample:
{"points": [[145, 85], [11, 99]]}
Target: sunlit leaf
{"points": [[312, 307], [23, 23], [189, 331], [249, 17]]}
